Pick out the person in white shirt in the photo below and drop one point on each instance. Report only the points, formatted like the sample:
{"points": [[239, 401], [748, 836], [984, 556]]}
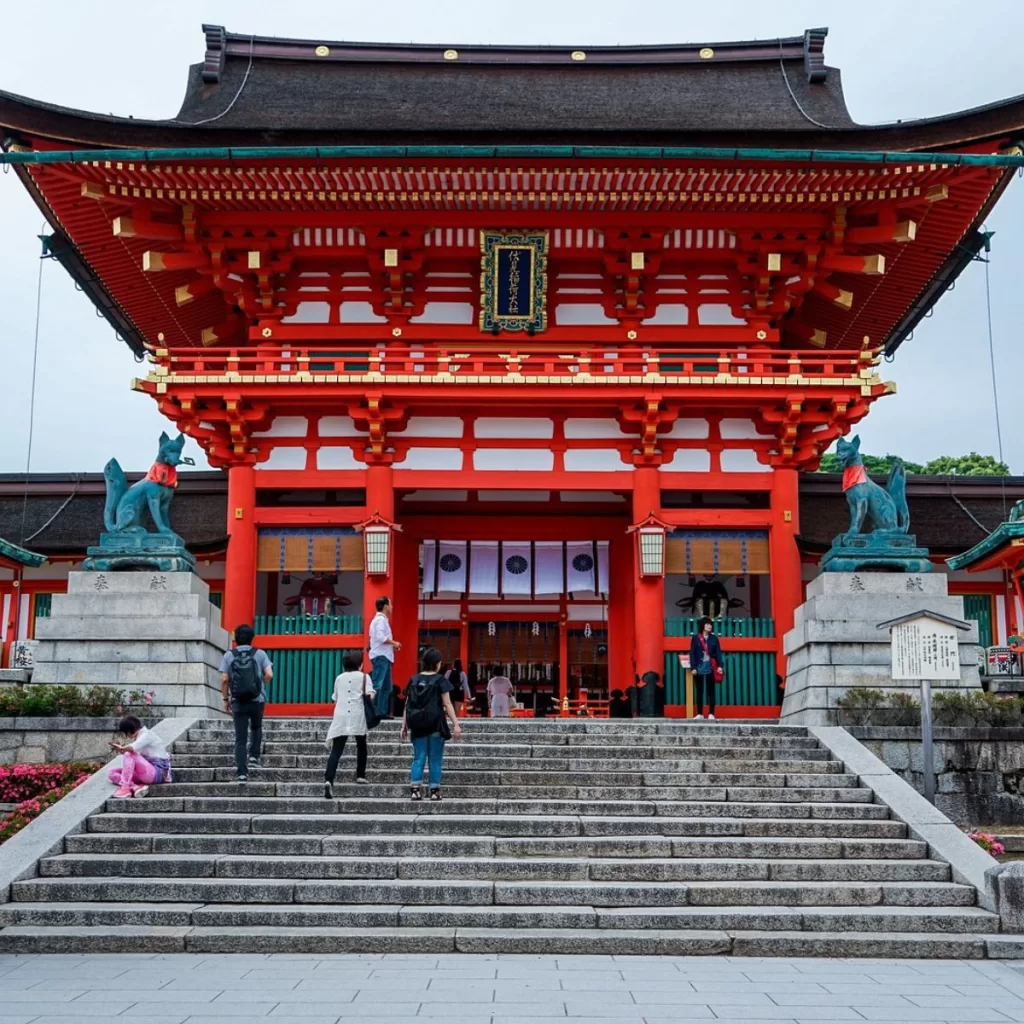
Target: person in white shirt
{"points": [[144, 759], [500, 692], [460, 687], [349, 719], [382, 654]]}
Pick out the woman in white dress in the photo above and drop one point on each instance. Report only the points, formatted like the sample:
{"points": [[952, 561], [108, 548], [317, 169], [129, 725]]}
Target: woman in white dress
{"points": [[349, 718], [499, 693]]}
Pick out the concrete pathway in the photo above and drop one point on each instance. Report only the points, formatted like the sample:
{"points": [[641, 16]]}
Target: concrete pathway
{"points": [[499, 989]]}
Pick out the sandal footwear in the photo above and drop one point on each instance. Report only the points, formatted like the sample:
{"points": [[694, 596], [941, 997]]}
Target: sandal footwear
{"points": [[435, 795], [416, 793]]}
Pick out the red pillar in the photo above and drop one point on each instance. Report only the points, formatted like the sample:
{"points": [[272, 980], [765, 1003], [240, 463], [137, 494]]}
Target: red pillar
{"points": [[649, 597], [240, 563], [784, 556], [380, 499], [621, 625]]}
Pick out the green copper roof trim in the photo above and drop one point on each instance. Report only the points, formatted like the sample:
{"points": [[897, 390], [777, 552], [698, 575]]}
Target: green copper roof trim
{"points": [[1001, 535], [21, 555], [73, 156]]}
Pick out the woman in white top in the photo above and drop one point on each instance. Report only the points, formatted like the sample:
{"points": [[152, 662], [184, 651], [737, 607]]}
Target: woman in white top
{"points": [[349, 718], [499, 692], [144, 759]]}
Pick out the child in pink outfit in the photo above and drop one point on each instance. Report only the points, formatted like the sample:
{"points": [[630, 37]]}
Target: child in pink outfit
{"points": [[144, 760]]}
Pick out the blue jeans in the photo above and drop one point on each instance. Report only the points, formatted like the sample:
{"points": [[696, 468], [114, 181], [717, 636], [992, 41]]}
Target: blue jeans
{"points": [[380, 676], [426, 748]]}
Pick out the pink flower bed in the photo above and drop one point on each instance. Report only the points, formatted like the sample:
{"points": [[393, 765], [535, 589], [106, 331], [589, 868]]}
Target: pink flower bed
{"points": [[20, 782]]}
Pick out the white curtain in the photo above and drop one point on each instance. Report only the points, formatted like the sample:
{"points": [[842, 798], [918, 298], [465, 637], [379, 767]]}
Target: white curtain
{"points": [[451, 566], [580, 566], [549, 568], [483, 567], [516, 568]]}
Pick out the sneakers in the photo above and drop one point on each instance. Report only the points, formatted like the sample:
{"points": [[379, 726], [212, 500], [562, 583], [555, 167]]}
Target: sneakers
{"points": [[243, 778], [328, 791], [123, 792], [255, 762], [138, 791], [711, 718], [698, 718], [361, 780]]}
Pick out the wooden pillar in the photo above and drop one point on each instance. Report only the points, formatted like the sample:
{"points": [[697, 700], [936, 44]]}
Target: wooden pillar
{"points": [[404, 594], [380, 499], [649, 596], [563, 653], [621, 625], [784, 556], [239, 604]]}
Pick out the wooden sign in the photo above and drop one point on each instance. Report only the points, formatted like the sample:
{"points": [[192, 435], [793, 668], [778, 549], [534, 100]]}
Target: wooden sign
{"points": [[925, 648]]}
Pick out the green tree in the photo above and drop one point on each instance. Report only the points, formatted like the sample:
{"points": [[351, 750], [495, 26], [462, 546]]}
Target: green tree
{"points": [[967, 465]]}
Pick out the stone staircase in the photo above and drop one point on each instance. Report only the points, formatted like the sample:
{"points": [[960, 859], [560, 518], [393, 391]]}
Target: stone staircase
{"points": [[558, 836]]}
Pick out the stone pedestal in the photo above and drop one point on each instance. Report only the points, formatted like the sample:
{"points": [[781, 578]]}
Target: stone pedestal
{"points": [[136, 630], [836, 645]]}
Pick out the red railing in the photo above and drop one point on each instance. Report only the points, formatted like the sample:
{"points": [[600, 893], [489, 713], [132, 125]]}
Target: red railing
{"points": [[431, 359]]}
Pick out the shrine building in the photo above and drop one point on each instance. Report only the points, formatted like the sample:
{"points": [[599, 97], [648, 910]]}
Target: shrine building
{"points": [[538, 341]]}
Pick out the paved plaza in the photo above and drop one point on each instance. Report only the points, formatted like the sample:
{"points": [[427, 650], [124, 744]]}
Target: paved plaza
{"points": [[500, 989]]}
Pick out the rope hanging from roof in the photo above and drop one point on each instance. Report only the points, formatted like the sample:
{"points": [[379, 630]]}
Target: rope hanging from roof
{"points": [[234, 99]]}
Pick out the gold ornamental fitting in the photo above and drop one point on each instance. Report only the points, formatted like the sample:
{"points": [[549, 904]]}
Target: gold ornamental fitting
{"points": [[267, 332], [160, 336], [323, 51], [396, 331], [578, 55], [451, 54], [761, 335], [631, 335], [706, 53]]}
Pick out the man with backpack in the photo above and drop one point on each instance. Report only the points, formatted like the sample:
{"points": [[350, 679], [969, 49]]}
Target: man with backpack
{"points": [[430, 721], [243, 674]]}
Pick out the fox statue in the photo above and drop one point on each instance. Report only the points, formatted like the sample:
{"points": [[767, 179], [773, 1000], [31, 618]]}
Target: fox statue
{"points": [[886, 506], [123, 510]]}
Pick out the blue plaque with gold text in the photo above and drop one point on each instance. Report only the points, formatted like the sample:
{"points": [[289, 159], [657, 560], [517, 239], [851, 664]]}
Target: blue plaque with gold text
{"points": [[513, 282]]}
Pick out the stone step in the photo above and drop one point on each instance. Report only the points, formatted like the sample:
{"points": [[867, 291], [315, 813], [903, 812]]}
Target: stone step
{"points": [[488, 868], [465, 777], [954, 920], [435, 818], [443, 845], [565, 941], [543, 752], [482, 892], [401, 804], [375, 790]]}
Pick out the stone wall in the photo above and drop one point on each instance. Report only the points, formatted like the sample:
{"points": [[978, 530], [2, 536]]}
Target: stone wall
{"points": [[42, 740], [979, 771]]}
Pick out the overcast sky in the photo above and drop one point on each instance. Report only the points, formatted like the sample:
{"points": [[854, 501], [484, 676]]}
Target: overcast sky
{"points": [[908, 59]]}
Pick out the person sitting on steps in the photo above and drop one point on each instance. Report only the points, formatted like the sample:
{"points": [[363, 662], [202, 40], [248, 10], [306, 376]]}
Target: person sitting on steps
{"points": [[244, 672], [144, 760]]}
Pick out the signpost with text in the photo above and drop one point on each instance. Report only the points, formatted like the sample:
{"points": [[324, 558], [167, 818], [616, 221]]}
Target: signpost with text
{"points": [[925, 647]]}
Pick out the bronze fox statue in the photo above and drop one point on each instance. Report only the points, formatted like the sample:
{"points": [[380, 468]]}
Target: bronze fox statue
{"points": [[886, 506], [124, 506]]}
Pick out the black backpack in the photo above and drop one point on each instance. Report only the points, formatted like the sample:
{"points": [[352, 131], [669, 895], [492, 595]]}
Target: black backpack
{"points": [[244, 676], [423, 709]]}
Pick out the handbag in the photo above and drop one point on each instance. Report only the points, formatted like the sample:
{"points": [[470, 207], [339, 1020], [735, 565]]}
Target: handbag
{"points": [[373, 716]]}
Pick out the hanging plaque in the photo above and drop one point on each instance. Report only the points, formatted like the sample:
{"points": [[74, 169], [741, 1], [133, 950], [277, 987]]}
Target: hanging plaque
{"points": [[513, 282]]}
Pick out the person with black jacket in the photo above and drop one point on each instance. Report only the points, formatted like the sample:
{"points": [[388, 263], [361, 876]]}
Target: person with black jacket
{"points": [[706, 665]]}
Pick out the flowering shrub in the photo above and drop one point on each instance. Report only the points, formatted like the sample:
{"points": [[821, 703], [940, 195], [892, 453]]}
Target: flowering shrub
{"points": [[987, 842], [29, 809], [72, 701], [23, 781]]}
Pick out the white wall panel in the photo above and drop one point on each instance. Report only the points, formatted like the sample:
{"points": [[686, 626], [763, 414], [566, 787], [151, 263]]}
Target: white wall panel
{"points": [[514, 459]]}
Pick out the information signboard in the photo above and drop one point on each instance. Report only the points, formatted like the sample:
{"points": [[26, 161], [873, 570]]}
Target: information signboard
{"points": [[925, 648]]}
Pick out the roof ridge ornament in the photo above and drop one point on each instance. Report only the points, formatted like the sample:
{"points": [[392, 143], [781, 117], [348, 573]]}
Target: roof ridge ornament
{"points": [[216, 52], [814, 55]]}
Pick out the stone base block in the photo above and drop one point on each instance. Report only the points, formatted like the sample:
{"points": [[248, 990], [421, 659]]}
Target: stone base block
{"points": [[136, 630], [836, 645]]}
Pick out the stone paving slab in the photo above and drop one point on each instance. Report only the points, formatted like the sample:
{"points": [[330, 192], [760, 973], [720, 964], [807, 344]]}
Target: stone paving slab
{"points": [[524, 988]]}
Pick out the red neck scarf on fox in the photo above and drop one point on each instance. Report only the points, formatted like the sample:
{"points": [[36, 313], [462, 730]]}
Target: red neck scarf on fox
{"points": [[853, 475], [161, 473]]}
